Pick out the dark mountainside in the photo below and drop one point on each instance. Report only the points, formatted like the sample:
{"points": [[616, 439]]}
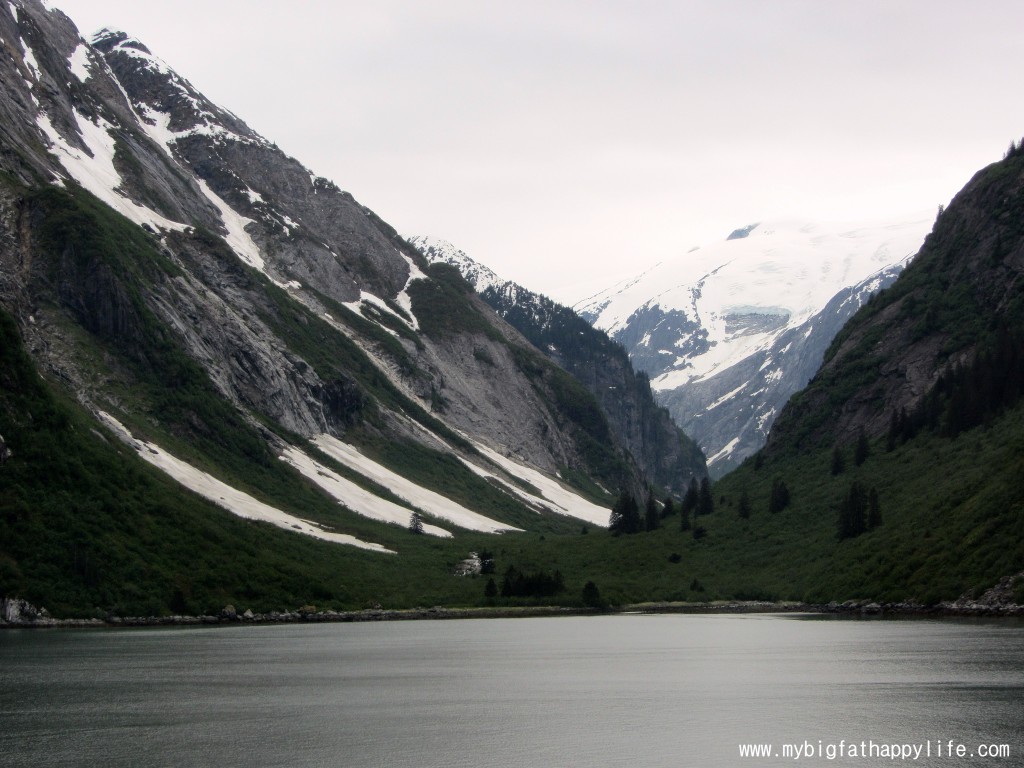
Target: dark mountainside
{"points": [[960, 304], [903, 459]]}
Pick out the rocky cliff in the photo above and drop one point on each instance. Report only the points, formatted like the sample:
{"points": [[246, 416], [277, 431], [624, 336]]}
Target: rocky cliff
{"points": [[668, 458], [957, 310], [182, 276]]}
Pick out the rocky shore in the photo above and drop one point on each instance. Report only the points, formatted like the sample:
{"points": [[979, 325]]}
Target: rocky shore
{"points": [[18, 613]]}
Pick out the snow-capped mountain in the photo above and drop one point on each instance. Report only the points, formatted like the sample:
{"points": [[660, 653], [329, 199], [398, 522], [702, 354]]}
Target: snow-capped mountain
{"points": [[668, 457], [730, 331], [436, 249]]}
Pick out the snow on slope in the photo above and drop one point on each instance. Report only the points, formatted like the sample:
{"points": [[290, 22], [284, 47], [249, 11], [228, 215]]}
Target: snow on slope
{"points": [[432, 503], [355, 498], [555, 495], [223, 495], [436, 249], [745, 292], [95, 170]]}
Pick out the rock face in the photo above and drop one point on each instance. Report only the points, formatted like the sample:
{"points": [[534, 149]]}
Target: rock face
{"points": [[735, 409], [727, 333], [153, 244], [667, 457], [17, 612], [5, 452], [960, 298]]}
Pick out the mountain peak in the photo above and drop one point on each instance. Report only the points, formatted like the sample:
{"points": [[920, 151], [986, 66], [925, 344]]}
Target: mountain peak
{"points": [[436, 249], [109, 38]]}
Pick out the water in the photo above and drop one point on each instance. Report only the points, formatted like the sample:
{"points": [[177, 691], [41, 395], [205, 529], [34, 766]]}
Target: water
{"points": [[668, 690]]}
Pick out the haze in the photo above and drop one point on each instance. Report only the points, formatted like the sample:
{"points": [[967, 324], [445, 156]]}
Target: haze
{"points": [[567, 144]]}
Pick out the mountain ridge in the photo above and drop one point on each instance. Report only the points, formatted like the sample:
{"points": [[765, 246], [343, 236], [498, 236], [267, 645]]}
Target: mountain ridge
{"points": [[667, 456]]}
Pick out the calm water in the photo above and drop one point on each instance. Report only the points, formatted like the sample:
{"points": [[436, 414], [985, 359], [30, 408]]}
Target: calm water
{"points": [[670, 690]]}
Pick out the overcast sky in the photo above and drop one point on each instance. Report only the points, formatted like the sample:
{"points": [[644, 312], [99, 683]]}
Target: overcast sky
{"points": [[579, 141]]}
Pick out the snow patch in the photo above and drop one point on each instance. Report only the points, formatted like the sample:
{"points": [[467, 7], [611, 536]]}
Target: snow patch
{"points": [[403, 299], [30, 61], [563, 500], [97, 173], [728, 449], [354, 497], [223, 495], [726, 397], [239, 240], [79, 62], [432, 503]]}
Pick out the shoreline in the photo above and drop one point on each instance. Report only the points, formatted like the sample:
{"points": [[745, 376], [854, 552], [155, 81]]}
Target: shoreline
{"points": [[18, 614]]}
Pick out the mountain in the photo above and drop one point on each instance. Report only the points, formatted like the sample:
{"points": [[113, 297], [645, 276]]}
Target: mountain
{"points": [[181, 299], [896, 473], [668, 458], [729, 332]]}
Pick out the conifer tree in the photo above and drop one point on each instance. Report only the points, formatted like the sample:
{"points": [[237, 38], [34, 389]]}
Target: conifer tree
{"points": [[691, 498], [625, 516], [853, 512], [874, 510], [705, 500], [416, 523], [591, 596], [668, 508], [778, 500], [862, 449], [744, 505], [652, 519], [838, 461]]}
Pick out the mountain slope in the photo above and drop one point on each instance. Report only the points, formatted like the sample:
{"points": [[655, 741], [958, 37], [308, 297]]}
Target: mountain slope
{"points": [[918, 405], [252, 331], [729, 332], [667, 456]]}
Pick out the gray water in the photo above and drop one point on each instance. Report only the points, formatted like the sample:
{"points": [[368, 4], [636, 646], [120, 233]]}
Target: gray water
{"points": [[668, 690]]}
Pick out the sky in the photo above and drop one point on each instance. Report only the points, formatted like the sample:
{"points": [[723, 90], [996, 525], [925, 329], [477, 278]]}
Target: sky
{"points": [[568, 144]]}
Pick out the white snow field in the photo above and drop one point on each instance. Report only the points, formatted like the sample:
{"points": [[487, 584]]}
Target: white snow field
{"points": [[223, 495]]}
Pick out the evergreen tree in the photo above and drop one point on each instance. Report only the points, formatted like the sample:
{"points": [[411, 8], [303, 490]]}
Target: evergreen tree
{"points": [[491, 590], [652, 518], [511, 582], [691, 498], [838, 461], [853, 512], [705, 501], [778, 500], [684, 523], [862, 449], [416, 523], [625, 516], [874, 510], [744, 505], [591, 596], [668, 508]]}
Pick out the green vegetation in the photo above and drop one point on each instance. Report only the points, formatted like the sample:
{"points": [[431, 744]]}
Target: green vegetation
{"points": [[444, 307]]}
